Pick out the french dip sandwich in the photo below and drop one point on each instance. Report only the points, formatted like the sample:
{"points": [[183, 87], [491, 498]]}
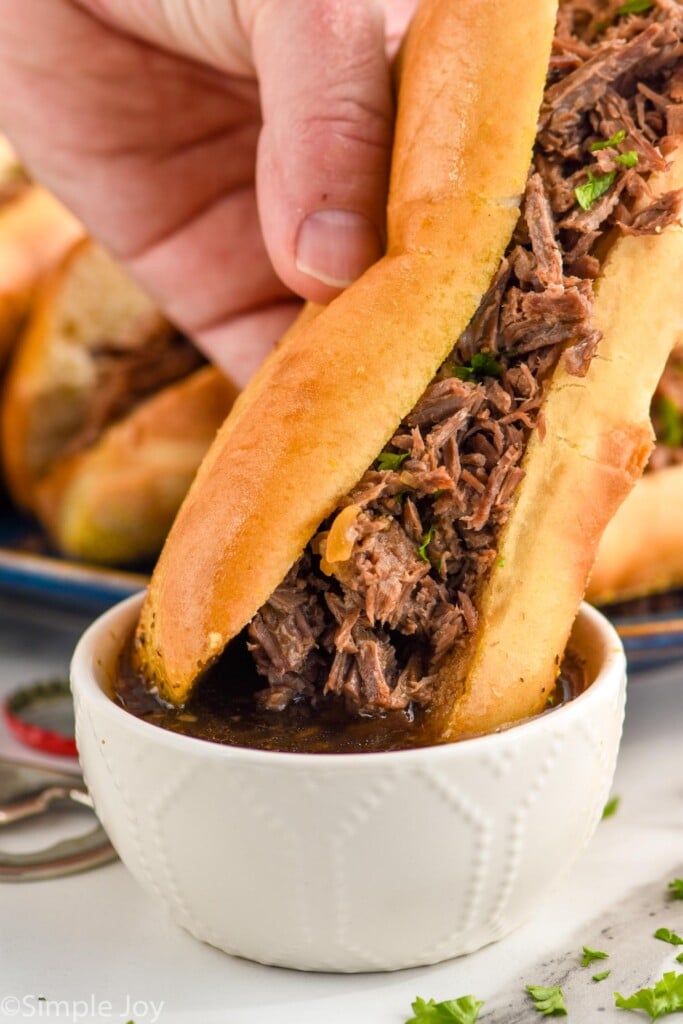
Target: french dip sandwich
{"points": [[35, 232], [106, 413], [641, 551], [401, 511]]}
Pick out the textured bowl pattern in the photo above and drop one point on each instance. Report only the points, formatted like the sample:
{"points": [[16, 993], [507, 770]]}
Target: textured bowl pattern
{"points": [[364, 862]]}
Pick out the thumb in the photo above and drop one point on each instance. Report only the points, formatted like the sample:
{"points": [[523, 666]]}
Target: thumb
{"points": [[324, 150]]}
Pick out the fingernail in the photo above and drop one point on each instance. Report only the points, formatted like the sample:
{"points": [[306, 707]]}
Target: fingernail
{"points": [[336, 246]]}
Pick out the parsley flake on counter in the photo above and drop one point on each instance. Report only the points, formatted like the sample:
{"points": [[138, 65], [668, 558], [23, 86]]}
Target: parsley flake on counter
{"points": [[589, 955], [601, 976], [611, 807], [595, 187], [679, 958], [464, 1010], [426, 541], [389, 460], [483, 364], [676, 888], [671, 433], [548, 1001], [666, 935], [627, 159], [635, 7], [665, 997], [608, 143]]}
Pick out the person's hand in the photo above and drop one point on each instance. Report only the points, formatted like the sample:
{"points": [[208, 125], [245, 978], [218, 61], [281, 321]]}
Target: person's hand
{"points": [[169, 126]]}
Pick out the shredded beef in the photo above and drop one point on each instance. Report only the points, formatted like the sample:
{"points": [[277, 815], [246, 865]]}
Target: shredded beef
{"points": [[11, 190], [373, 630], [657, 216], [14, 181], [129, 370]]}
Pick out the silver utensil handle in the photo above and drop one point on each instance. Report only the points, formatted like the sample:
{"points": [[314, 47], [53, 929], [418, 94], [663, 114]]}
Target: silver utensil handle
{"points": [[29, 791], [65, 858]]}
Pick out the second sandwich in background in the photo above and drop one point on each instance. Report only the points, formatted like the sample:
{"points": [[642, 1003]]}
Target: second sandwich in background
{"points": [[641, 551], [35, 233], [106, 413]]}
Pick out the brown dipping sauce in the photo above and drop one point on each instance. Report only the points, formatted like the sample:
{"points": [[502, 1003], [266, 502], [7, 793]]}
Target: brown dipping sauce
{"points": [[224, 709]]}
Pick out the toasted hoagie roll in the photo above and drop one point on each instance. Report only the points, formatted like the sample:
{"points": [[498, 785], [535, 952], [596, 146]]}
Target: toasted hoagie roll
{"points": [[105, 413], [404, 505], [641, 551], [35, 232]]}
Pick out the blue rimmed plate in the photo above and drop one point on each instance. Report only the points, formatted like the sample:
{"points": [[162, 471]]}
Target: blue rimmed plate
{"points": [[651, 628], [29, 568]]}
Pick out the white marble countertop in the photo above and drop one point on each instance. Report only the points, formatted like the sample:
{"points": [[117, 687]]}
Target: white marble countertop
{"points": [[96, 947]]}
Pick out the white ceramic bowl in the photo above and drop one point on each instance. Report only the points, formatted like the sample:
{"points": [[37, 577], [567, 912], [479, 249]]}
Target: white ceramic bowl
{"points": [[356, 862]]}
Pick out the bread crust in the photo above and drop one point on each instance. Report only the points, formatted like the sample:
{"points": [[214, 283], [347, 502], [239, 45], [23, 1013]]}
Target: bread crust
{"points": [[114, 500], [35, 232], [87, 298], [598, 437], [114, 503], [641, 551], [330, 397]]}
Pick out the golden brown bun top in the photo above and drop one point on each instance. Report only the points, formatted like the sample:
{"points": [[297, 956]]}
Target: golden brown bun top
{"points": [[35, 232], [325, 404], [87, 302]]}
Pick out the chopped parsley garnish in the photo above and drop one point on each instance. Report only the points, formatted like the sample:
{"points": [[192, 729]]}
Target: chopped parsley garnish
{"points": [[548, 1001], [635, 7], [666, 935], [679, 958], [676, 889], [486, 365], [501, 563], [590, 955], [482, 364], [426, 541], [663, 998], [601, 976], [608, 143], [595, 187], [464, 1010], [671, 432], [627, 159], [611, 807], [389, 460]]}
